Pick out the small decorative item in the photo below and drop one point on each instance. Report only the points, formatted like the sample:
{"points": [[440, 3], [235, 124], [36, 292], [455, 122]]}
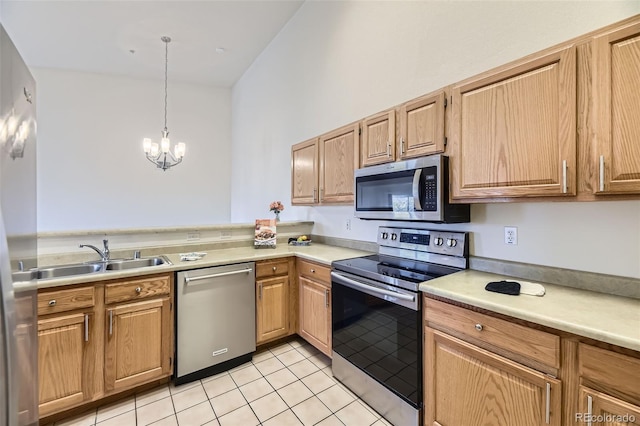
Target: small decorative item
{"points": [[276, 207], [265, 234]]}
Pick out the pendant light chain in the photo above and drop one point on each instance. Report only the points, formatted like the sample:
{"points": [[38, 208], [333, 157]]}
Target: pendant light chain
{"points": [[166, 76]]}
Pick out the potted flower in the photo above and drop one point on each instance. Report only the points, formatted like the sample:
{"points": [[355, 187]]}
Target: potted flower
{"points": [[276, 207]]}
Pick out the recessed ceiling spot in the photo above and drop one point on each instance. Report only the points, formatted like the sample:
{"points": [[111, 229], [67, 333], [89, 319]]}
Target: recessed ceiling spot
{"points": [[220, 50]]}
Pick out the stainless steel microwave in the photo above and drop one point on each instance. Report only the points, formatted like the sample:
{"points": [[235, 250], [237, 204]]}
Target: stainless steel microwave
{"points": [[412, 190]]}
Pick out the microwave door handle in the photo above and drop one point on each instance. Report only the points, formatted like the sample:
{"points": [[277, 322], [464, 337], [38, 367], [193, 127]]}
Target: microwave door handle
{"points": [[416, 189]]}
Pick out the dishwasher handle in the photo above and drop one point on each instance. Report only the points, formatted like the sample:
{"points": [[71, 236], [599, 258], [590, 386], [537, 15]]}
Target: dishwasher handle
{"points": [[187, 280]]}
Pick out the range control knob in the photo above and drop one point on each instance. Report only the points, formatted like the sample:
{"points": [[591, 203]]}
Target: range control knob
{"points": [[452, 242], [394, 236], [438, 241], [384, 235]]}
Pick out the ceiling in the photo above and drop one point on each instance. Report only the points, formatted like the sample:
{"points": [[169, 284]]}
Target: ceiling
{"points": [[123, 37]]}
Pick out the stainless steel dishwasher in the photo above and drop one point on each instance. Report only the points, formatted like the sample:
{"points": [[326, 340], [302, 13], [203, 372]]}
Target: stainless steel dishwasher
{"points": [[215, 320]]}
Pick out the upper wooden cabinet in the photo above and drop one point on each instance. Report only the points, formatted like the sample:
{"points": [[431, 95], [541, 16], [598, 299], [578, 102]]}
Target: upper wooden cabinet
{"points": [[513, 129], [378, 139], [616, 106], [422, 126], [339, 158], [304, 172]]}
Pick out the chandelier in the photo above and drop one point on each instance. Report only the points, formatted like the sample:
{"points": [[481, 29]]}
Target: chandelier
{"points": [[161, 155]]}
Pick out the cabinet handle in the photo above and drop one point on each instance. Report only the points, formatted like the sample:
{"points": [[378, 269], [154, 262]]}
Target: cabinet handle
{"points": [[315, 191], [564, 176], [110, 323], [388, 149], [321, 191], [138, 290], [274, 268], [602, 173], [313, 271], [401, 146], [326, 297], [86, 327], [548, 405], [589, 409], [260, 291], [479, 327], [52, 302]]}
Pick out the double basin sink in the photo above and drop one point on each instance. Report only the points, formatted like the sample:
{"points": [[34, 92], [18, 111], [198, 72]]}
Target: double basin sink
{"points": [[89, 268]]}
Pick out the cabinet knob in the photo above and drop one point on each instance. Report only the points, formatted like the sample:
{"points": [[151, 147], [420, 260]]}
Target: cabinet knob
{"points": [[313, 271], [138, 290], [274, 268], [52, 302], [479, 327]]}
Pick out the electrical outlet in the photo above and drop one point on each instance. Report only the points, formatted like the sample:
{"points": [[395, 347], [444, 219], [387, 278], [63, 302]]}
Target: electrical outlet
{"points": [[348, 225], [193, 236], [225, 235], [511, 235]]}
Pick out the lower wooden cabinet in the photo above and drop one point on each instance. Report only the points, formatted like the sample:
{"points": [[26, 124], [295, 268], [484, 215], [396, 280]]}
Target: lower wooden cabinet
{"points": [[272, 308], [315, 314], [99, 339], [469, 386], [64, 361], [137, 347], [600, 409]]}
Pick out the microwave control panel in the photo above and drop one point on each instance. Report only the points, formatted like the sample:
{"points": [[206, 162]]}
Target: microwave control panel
{"points": [[430, 176]]}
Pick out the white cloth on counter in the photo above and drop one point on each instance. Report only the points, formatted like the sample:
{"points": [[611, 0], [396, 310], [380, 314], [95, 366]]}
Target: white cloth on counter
{"points": [[532, 289]]}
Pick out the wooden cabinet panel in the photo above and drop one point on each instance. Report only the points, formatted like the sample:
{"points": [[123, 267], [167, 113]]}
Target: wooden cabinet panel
{"points": [[314, 271], [378, 139], [315, 314], [534, 344], [304, 172], [138, 343], [128, 290], [272, 306], [62, 361], [513, 131], [599, 409], [616, 102], [422, 126], [272, 268], [51, 302], [468, 386], [616, 373], [339, 158]]}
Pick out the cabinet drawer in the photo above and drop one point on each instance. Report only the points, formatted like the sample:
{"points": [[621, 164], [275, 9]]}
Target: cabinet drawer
{"points": [[314, 271], [617, 372], [51, 302], [524, 341], [272, 268], [136, 289]]}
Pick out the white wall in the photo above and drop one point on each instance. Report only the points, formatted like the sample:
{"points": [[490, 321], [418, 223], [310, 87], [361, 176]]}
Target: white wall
{"points": [[337, 62], [92, 171]]}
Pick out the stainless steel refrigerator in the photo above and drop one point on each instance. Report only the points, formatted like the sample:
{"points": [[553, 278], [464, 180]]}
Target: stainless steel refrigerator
{"points": [[18, 241]]}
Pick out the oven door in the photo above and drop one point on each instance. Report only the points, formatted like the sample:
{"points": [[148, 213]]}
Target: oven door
{"points": [[376, 327]]}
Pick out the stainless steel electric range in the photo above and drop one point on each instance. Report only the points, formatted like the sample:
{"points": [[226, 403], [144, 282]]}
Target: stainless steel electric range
{"points": [[377, 316]]}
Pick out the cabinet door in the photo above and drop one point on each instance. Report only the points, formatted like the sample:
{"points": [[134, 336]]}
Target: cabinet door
{"points": [[339, 157], [64, 358], [378, 139], [138, 343], [513, 131], [616, 101], [272, 305], [469, 386], [304, 172], [315, 314], [599, 409], [422, 126]]}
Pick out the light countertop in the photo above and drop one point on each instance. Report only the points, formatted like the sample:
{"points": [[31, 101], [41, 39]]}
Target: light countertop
{"points": [[320, 253], [608, 318]]}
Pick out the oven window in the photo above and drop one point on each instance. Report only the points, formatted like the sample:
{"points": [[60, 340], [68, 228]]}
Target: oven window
{"points": [[381, 338], [387, 192]]}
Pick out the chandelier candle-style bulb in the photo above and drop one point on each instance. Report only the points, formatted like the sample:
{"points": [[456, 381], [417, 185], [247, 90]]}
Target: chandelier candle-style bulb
{"points": [[161, 155]]}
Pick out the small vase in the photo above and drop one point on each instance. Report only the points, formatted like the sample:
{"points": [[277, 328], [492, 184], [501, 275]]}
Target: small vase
{"points": [[277, 216]]}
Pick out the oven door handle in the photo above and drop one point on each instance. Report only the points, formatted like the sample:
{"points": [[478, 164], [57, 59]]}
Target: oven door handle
{"points": [[416, 190], [362, 286]]}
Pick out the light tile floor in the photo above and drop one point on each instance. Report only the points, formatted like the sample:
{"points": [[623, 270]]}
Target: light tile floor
{"points": [[290, 384]]}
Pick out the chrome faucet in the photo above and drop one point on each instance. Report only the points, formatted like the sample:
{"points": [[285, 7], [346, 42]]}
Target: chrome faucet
{"points": [[104, 254]]}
